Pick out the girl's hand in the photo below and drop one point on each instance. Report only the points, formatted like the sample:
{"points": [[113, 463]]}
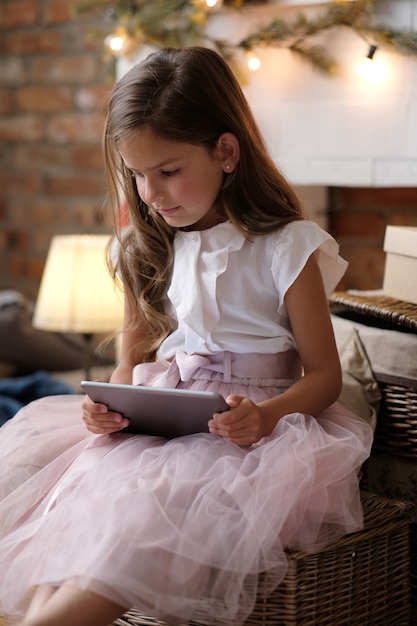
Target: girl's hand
{"points": [[99, 420], [243, 425]]}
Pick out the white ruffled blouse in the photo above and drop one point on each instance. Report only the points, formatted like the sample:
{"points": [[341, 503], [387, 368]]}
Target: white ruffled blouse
{"points": [[227, 293]]}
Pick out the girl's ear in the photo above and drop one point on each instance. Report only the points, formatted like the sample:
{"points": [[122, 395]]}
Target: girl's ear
{"points": [[229, 151]]}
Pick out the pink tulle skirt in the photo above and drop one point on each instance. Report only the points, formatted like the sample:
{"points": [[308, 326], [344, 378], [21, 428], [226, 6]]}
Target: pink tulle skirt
{"points": [[179, 529]]}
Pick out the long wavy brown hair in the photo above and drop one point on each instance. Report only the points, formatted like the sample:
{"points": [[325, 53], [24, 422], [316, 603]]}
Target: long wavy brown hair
{"points": [[187, 95]]}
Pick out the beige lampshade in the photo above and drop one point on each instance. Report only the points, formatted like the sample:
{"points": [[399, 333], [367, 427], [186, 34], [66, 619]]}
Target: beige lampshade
{"points": [[77, 293]]}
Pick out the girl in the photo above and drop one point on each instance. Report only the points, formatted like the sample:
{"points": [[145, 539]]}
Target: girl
{"points": [[225, 288]]}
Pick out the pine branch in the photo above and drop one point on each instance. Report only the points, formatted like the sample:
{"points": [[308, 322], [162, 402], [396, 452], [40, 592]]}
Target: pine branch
{"points": [[278, 32], [180, 23], [316, 56]]}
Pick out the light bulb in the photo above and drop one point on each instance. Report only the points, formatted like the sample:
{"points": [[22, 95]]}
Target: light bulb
{"points": [[115, 43], [211, 3], [371, 70], [254, 62]]}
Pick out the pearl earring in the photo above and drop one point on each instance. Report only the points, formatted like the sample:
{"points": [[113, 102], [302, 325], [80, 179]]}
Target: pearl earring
{"points": [[227, 167]]}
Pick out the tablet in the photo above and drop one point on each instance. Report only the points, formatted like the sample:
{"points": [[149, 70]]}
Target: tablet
{"points": [[158, 411]]}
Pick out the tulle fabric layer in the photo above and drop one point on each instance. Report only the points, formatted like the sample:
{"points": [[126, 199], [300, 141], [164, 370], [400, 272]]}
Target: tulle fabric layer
{"points": [[179, 529]]}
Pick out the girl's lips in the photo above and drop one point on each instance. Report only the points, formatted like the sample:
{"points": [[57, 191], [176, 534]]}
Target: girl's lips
{"points": [[168, 212]]}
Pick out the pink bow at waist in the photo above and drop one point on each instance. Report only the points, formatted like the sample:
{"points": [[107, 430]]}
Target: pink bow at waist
{"points": [[183, 367]]}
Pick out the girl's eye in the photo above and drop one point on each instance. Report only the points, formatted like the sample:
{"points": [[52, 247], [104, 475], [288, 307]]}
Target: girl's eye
{"points": [[168, 173]]}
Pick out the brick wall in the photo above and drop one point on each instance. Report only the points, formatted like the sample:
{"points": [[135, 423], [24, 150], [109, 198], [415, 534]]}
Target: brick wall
{"points": [[358, 218], [53, 83]]}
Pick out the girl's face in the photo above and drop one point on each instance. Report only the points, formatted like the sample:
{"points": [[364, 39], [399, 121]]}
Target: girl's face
{"points": [[180, 181]]}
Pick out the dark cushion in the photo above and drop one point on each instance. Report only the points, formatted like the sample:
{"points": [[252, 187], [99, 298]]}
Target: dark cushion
{"points": [[27, 349]]}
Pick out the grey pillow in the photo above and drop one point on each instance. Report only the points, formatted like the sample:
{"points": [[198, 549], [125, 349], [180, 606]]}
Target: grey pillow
{"points": [[360, 392]]}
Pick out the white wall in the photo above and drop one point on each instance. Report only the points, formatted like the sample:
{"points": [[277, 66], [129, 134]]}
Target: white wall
{"points": [[334, 130]]}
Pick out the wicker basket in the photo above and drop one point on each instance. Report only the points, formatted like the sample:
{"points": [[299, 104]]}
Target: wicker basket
{"points": [[361, 580], [396, 431], [385, 312]]}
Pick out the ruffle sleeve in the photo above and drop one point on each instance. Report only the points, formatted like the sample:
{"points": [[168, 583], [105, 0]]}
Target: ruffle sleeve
{"points": [[297, 242]]}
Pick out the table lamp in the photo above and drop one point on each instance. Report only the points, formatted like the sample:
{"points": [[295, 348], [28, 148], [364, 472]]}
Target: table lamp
{"points": [[77, 293]]}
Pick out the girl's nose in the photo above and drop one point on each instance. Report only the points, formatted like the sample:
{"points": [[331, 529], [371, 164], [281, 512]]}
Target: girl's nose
{"points": [[152, 193]]}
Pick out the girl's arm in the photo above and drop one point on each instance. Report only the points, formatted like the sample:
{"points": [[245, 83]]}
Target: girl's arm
{"points": [[129, 356], [97, 417], [321, 384], [308, 310]]}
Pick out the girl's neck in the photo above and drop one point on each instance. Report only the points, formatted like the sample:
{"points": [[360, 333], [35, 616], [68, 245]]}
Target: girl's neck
{"points": [[212, 218]]}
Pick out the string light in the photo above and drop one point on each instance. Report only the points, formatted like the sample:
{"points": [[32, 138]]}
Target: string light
{"points": [[371, 70], [189, 19], [254, 63], [207, 5], [371, 52], [115, 43]]}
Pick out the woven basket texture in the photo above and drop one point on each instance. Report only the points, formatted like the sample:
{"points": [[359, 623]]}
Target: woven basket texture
{"points": [[395, 313], [361, 580], [396, 431]]}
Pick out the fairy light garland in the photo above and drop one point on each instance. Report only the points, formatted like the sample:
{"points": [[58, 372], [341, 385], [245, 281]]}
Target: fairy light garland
{"points": [[178, 23]]}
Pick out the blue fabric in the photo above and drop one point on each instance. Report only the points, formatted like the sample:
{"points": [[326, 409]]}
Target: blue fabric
{"points": [[16, 392]]}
